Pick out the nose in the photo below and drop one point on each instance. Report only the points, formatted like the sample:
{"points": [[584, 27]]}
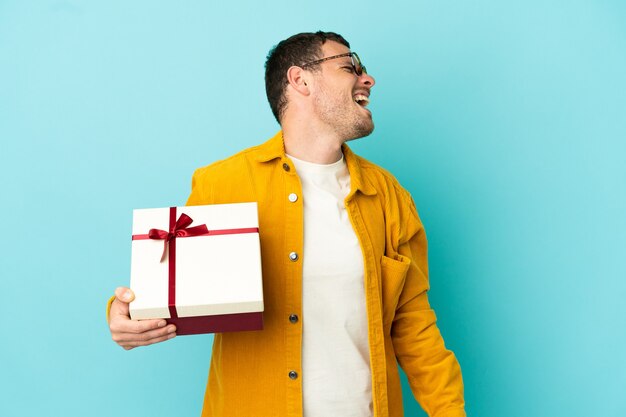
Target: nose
{"points": [[367, 79]]}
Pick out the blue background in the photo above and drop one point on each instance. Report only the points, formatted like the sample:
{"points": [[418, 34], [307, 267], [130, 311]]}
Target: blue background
{"points": [[506, 120]]}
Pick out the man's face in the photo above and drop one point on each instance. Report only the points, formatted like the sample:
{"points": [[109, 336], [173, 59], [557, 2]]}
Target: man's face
{"points": [[341, 96]]}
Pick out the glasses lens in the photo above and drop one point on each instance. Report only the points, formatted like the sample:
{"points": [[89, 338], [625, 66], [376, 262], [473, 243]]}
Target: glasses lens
{"points": [[358, 67]]}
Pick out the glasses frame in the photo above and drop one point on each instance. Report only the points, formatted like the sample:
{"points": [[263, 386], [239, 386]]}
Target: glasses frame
{"points": [[359, 68]]}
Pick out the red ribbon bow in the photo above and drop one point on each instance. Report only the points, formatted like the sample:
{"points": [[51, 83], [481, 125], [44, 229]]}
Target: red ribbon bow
{"points": [[179, 229]]}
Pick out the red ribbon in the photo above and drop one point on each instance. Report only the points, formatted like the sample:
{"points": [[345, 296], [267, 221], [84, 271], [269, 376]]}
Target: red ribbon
{"points": [[179, 228]]}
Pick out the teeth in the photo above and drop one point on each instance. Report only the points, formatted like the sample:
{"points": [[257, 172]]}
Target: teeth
{"points": [[361, 99]]}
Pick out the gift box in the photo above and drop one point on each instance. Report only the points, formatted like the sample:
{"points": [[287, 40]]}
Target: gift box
{"points": [[199, 267]]}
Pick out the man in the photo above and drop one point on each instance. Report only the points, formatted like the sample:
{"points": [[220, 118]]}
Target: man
{"points": [[344, 260]]}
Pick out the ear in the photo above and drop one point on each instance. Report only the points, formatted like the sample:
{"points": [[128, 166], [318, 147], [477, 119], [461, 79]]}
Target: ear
{"points": [[298, 79]]}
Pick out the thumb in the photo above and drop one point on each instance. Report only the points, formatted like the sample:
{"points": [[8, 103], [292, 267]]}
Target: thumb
{"points": [[125, 295]]}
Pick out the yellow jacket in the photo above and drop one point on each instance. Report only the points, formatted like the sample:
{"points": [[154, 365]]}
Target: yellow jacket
{"points": [[250, 371]]}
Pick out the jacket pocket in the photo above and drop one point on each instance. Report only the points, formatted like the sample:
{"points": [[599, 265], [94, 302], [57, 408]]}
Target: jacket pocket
{"points": [[393, 275]]}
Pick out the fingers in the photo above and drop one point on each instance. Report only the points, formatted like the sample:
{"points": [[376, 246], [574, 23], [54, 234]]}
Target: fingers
{"points": [[132, 345], [125, 295], [130, 333], [132, 340], [121, 323]]}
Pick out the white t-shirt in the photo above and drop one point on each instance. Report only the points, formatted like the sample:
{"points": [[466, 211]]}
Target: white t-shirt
{"points": [[336, 376]]}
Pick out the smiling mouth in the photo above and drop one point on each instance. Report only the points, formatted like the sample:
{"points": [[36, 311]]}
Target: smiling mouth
{"points": [[362, 100]]}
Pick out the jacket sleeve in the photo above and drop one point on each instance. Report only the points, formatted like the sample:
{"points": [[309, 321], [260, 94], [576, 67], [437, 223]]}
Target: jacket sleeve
{"points": [[433, 371]]}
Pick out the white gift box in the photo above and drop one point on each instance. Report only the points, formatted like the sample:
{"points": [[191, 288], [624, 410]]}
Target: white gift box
{"points": [[204, 281]]}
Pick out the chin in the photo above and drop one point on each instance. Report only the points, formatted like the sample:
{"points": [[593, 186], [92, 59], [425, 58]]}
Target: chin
{"points": [[361, 130]]}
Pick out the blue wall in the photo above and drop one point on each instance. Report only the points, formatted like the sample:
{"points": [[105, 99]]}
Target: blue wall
{"points": [[505, 119]]}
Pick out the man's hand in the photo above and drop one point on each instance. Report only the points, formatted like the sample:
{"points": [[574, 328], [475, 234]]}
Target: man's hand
{"points": [[132, 333]]}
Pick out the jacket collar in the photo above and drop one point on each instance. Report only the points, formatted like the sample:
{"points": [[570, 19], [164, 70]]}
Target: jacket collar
{"points": [[275, 149], [272, 149]]}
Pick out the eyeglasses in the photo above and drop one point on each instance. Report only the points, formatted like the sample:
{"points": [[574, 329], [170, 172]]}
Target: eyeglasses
{"points": [[359, 69]]}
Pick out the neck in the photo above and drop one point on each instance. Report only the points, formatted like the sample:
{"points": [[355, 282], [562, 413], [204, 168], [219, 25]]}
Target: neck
{"points": [[311, 144]]}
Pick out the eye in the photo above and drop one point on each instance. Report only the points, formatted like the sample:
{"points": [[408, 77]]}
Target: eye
{"points": [[348, 68]]}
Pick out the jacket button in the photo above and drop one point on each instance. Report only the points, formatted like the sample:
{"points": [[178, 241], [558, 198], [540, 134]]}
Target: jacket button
{"points": [[293, 197], [293, 256], [293, 318], [293, 375], [286, 167]]}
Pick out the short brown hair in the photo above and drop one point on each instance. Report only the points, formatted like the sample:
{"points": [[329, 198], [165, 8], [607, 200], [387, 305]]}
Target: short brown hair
{"points": [[295, 50]]}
